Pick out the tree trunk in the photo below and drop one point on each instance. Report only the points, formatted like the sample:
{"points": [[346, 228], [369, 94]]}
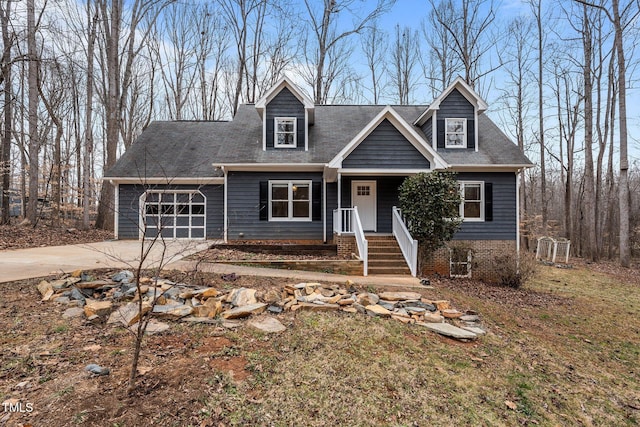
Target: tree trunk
{"points": [[34, 143], [5, 149]]}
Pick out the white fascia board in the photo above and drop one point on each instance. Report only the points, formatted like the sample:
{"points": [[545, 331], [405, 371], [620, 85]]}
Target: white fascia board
{"points": [[273, 167], [489, 168], [466, 91], [403, 127], [177, 180], [261, 104]]}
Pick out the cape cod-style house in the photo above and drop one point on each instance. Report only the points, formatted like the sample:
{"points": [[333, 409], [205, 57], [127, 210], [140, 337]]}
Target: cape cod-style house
{"points": [[286, 169]]}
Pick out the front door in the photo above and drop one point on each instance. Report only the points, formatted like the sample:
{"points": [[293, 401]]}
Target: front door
{"points": [[363, 195]]}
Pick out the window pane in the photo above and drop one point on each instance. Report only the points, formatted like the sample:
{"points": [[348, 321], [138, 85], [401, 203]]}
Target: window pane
{"points": [[151, 221], [472, 192], [280, 192], [197, 221], [166, 221], [182, 221], [301, 209], [150, 232], [472, 209], [455, 125], [300, 192], [279, 209], [167, 233], [151, 209], [152, 197], [197, 209], [167, 209], [455, 139], [167, 197], [197, 233], [285, 139], [285, 125], [183, 209], [182, 232]]}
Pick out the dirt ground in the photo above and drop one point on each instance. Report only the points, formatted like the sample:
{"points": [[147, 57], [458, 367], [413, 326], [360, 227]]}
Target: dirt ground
{"points": [[15, 236]]}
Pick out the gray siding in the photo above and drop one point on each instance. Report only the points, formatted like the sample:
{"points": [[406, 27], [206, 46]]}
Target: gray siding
{"points": [[455, 105], [386, 197], [285, 104], [386, 148], [427, 129], [503, 226], [129, 213], [332, 203], [244, 209]]}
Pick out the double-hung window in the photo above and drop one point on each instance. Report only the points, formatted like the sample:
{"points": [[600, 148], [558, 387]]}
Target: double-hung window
{"points": [[472, 204], [285, 132], [290, 200], [455, 133]]}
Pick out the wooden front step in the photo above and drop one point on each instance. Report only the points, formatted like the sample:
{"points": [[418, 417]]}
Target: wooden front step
{"points": [[385, 256]]}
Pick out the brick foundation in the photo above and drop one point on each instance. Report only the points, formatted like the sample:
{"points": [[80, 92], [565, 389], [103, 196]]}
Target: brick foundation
{"points": [[483, 257], [346, 245]]}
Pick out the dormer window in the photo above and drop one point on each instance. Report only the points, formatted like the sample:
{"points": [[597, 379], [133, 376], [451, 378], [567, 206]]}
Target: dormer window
{"points": [[285, 132], [456, 133]]}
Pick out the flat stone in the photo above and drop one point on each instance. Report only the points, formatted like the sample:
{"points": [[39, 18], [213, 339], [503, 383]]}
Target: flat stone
{"points": [[475, 330], [97, 370], [470, 318], [123, 276], [244, 311], [346, 301], [420, 304], [451, 313], [195, 319], [317, 307], [415, 310], [368, 298], [387, 305], [402, 319], [271, 297], [61, 299], [77, 295], [442, 304], [97, 308], [173, 310], [274, 309], [153, 327], [93, 285], [129, 314], [73, 312], [449, 330], [242, 296], [400, 296], [433, 318], [46, 290], [377, 310], [268, 324], [351, 310], [60, 283]]}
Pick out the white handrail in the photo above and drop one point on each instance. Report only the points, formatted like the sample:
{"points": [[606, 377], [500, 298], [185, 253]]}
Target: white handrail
{"points": [[346, 221], [363, 245], [408, 245]]}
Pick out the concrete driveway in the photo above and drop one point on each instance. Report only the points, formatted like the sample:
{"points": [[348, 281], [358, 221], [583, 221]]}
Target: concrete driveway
{"points": [[35, 262]]}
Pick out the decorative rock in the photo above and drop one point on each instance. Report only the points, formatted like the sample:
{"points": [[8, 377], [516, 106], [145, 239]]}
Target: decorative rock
{"points": [[367, 298], [351, 310], [242, 296], [360, 308], [415, 310], [76, 273], [244, 311], [449, 330], [268, 324], [400, 296], [451, 313], [97, 370], [123, 276], [402, 319], [377, 310], [386, 305], [433, 318], [173, 310], [470, 318], [128, 314], [97, 308], [153, 327], [420, 304], [46, 290], [317, 307], [346, 301], [475, 330], [61, 299], [72, 312], [77, 295], [194, 319], [442, 304], [271, 297], [274, 309]]}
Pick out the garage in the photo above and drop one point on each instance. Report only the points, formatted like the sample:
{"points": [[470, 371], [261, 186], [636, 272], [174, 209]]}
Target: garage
{"points": [[174, 214]]}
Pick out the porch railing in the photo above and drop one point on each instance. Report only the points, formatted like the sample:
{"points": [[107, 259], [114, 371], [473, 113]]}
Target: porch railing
{"points": [[408, 245], [346, 221]]}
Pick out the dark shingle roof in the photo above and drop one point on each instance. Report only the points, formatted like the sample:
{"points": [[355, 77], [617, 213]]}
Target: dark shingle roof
{"points": [[190, 149]]}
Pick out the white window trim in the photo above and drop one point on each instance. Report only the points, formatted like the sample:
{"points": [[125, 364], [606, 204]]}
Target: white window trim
{"points": [[482, 199], [276, 133], [290, 217], [446, 132], [190, 227]]}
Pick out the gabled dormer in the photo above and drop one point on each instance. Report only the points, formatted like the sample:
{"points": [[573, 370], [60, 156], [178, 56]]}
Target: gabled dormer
{"points": [[286, 114], [451, 121]]}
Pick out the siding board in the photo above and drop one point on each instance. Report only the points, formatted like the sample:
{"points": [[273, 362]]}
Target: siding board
{"points": [[386, 147], [285, 104]]}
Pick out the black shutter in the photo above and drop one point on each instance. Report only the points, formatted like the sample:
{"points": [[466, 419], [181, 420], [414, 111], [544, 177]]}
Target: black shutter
{"points": [[316, 202], [488, 201], [440, 132], [471, 134], [264, 200]]}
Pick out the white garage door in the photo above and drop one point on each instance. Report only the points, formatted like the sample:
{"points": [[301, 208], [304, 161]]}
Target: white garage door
{"points": [[174, 214]]}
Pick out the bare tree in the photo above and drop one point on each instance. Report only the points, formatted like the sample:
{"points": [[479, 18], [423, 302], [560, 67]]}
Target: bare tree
{"points": [[34, 142], [443, 64], [92, 22], [404, 57], [5, 148], [374, 49], [327, 38]]}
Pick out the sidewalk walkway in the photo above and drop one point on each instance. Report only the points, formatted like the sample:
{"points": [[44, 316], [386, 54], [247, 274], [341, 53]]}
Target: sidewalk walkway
{"points": [[23, 264]]}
